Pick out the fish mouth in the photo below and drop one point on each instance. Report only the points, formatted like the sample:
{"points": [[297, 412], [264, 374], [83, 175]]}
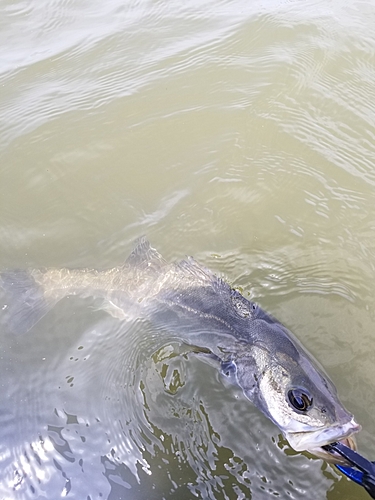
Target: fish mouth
{"points": [[314, 441], [331, 455]]}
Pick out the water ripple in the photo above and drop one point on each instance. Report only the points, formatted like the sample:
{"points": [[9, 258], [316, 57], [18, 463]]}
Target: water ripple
{"points": [[143, 403]]}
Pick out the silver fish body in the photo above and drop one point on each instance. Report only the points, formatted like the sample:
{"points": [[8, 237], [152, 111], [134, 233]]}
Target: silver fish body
{"points": [[264, 358]]}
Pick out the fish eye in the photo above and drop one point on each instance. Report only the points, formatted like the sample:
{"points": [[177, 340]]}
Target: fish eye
{"points": [[300, 399]]}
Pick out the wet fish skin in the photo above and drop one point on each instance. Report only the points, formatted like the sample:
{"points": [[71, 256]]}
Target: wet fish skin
{"points": [[202, 310]]}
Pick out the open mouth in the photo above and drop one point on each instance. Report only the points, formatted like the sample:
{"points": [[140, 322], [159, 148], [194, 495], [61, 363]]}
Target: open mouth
{"points": [[332, 456], [344, 435], [315, 441]]}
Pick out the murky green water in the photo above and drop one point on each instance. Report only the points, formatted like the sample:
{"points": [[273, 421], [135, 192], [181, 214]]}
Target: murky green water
{"points": [[242, 134]]}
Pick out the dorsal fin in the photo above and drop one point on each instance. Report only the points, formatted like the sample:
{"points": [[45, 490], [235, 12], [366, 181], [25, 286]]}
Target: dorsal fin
{"points": [[190, 266], [144, 256]]}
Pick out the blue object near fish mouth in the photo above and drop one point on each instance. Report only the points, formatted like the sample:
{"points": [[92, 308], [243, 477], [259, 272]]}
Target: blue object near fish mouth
{"points": [[351, 473], [361, 470]]}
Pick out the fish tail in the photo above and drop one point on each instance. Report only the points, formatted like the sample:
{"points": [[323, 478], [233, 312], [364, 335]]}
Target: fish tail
{"points": [[24, 302]]}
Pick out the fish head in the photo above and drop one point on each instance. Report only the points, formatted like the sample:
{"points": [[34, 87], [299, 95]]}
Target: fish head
{"points": [[305, 405], [288, 386]]}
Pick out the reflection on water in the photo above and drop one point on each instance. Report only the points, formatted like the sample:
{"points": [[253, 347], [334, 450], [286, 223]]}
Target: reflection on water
{"points": [[108, 423], [242, 134]]}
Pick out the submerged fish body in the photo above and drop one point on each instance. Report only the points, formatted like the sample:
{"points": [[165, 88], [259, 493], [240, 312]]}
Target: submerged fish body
{"points": [[263, 357]]}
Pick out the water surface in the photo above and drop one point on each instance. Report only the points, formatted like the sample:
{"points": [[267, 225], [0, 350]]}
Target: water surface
{"points": [[242, 134]]}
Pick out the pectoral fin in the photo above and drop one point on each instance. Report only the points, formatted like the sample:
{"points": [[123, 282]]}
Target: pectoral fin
{"points": [[228, 368]]}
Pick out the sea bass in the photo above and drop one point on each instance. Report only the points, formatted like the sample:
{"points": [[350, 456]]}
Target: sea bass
{"points": [[200, 309]]}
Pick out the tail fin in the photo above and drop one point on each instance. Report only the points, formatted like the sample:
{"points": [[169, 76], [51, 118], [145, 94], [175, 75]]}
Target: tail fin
{"points": [[24, 303]]}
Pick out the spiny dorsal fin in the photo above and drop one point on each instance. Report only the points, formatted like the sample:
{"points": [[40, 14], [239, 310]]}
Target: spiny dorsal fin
{"points": [[190, 266], [144, 256]]}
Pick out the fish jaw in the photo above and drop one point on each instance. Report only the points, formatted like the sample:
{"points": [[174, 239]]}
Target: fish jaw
{"points": [[313, 441]]}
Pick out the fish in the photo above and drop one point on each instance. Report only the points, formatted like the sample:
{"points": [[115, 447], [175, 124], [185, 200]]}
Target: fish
{"points": [[200, 309]]}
